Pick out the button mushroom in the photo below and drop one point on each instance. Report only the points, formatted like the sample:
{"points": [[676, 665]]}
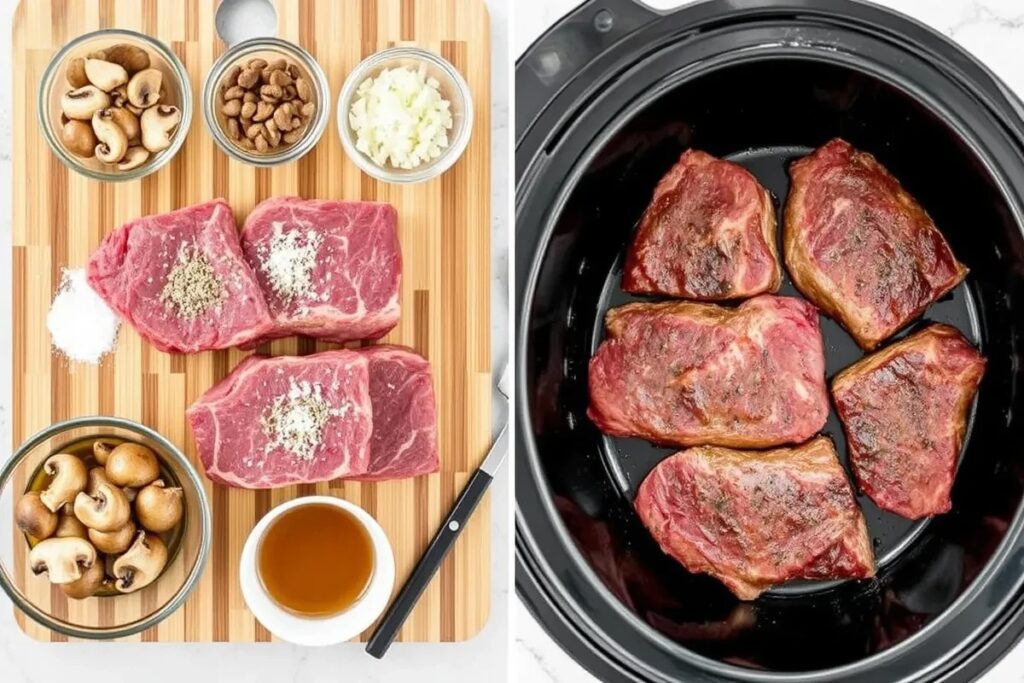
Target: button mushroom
{"points": [[133, 158], [92, 580], [132, 464], [113, 140], [105, 510], [144, 88], [33, 516], [159, 508], [158, 123], [128, 122], [62, 558], [113, 542], [79, 138], [75, 73], [101, 449], [105, 75], [69, 526], [141, 565], [97, 476], [82, 103], [131, 57], [69, 478]]}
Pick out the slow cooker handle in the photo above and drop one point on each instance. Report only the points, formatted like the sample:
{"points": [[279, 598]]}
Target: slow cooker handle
{"points": [[559, 55]]}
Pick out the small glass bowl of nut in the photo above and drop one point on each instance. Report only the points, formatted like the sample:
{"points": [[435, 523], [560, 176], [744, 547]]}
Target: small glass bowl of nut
{"points": [[266, 102], [112, 529], [115, 105]]}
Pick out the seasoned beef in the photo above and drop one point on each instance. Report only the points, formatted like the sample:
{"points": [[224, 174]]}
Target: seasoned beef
{"points": [[754, 519], [691, 374], [860, 247], [328, 269], [708, 234], [904, 410], [180, 280]]}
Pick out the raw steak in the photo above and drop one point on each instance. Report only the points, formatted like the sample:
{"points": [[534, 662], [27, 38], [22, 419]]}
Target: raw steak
{"points": [[708, 233], [904, 410], [692, 374], [327, 269], [364, 414], [180, 280], [754, 519], [404, 441], [860, 247]]}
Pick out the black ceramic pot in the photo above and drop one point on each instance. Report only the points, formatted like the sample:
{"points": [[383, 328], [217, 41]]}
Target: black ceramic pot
{"points": [[606, 101]]}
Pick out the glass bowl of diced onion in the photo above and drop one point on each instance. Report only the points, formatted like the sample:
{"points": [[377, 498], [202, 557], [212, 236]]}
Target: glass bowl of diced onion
{"points": [[405, 115]]}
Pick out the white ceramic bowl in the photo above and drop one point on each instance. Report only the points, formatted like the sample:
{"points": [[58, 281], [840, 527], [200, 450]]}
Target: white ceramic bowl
{"points": [[316, 631]]}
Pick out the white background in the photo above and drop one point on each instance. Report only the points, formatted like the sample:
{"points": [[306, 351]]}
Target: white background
{"points": [[991, 29], [486, 657]]}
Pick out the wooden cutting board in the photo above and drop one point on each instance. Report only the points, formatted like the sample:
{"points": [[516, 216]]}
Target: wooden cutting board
{"points": [[60, 216]]}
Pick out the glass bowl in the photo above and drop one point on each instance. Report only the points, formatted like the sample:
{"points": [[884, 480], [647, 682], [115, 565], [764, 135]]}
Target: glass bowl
{"points": [[268, 49], [453, 88], [176, 88], [115, 616]]}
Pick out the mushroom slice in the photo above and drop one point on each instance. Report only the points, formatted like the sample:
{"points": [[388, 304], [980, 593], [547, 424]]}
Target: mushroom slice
{"points": [[144, 88], [88, 585], [159, 508], [105, 75], [69, 478], [113, 542], [158, 123], [142, 564], [34, 517], [82, 103], [128, 122], [62, 558], [105, 510], [113, 139], [133, 158]]}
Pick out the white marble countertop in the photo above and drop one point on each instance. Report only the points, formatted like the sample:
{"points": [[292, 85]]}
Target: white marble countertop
{"points": [[993, 30], [26, 661]]}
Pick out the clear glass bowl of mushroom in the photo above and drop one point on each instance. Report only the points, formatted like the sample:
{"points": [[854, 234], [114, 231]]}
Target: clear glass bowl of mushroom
{"points": [[112, 529], [115, 105]]}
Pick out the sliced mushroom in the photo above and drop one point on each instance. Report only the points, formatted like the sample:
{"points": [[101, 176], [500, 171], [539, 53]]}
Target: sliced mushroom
{"points": [[128, 122], [105, 510], [113, 542], [79, 138], [33, 516], [133, 158], [141, 564], [75, 73], [132, 464], [88, 585], [131, 57], [101, 449], [105, 75], [82, 103], [69, 477], [158, 124], [62, 558], [97, 476], [144, 88], [159, 508], [68, 525], [113, 140]]}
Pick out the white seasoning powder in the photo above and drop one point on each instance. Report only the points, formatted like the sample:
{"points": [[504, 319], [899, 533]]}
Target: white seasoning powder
{"points": [[296, 420], [81, 324], [290, 260]]}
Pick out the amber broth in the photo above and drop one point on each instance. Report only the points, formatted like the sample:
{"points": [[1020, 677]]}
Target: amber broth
{"points": [[316, 560]]}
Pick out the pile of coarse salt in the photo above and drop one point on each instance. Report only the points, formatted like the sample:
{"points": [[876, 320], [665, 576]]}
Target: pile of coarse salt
{"points": [[81, 324]]}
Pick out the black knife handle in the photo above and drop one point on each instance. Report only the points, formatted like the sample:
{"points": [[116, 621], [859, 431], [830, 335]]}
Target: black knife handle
{"points": [[431, 561]]}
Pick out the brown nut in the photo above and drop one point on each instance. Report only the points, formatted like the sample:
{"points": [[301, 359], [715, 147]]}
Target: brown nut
{"points": [[308, 109], [113, 542], [248, 78], [235, 92], [303, 89], [264, 110], [132, 464], [131, 57], [288, 94], [75, 73], [257, 64], [250, 96], [254, 130], [280, 78], [296, 123], [261, 144], [283, 118], [233, 129], [291, 137], [294, 71], [231, 78], [34, 518], [271, 93], [246, 143], [273, 134], [159, 508], [248, 109], [232, 108], [79, 138]]}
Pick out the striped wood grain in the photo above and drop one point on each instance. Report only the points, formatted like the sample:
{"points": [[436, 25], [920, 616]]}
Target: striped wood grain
{"points": [[59, 217]]}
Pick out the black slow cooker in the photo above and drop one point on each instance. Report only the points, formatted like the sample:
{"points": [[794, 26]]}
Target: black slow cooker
{"points": [[605, 103]]}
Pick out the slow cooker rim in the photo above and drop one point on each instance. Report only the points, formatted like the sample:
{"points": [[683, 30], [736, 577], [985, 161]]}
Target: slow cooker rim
{"points": [[527, 295]]}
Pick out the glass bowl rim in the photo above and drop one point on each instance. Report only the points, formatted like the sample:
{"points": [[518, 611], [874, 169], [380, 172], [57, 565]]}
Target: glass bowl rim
{"points": [[43, 107], [205, 525], [317, 127], [450, 155]]}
